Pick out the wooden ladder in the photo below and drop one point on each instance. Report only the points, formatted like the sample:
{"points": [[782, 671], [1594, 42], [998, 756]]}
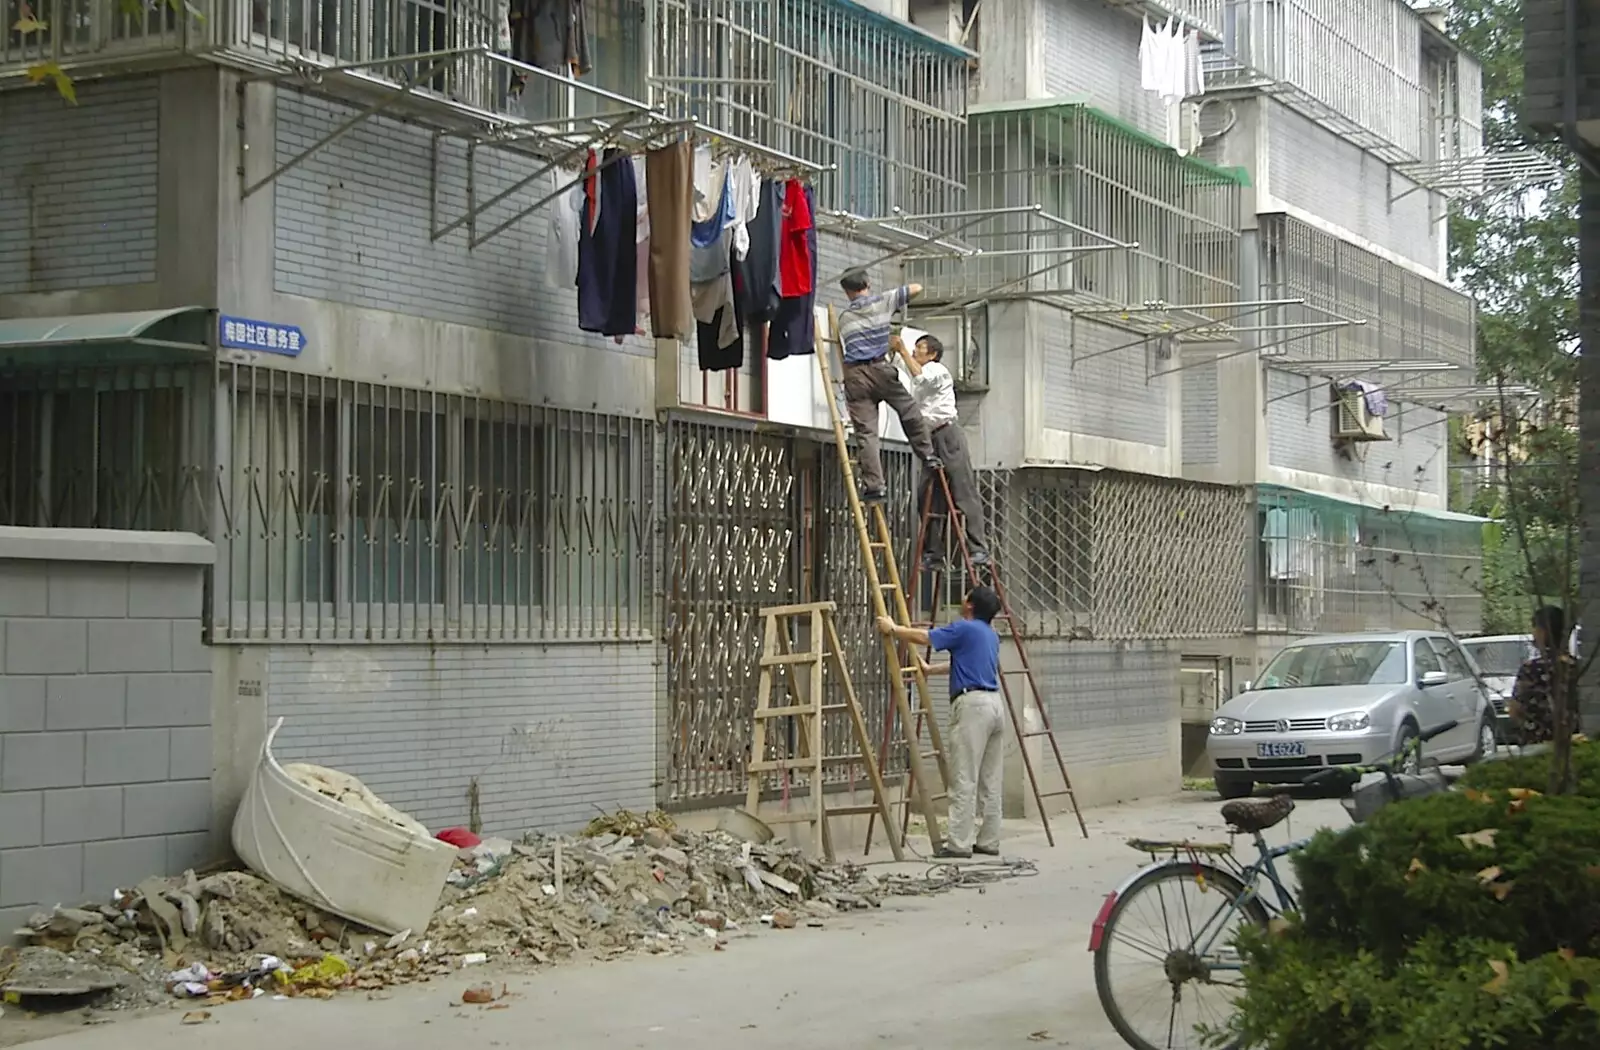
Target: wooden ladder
{"points": [[888, 599], [1007, 626], [824, 654]]}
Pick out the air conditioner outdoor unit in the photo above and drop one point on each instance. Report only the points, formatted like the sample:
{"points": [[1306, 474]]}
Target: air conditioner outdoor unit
{"points": [[1352, 421]]}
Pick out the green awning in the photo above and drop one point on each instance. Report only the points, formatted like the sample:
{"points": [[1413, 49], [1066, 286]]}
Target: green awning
{"points": [[179, 333]]}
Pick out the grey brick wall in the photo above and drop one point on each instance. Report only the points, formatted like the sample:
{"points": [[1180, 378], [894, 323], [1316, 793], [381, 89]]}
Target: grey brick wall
{"points": [[78, 187], [1544, 57], [550, 732], [1316, 170], [1105, 396], [1093, 50], [353, 226], [105, 727], [1109, 703], [1200, 414], [1413, 458]]}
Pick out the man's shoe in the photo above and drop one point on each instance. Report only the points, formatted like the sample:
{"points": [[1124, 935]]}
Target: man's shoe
{"points": [[933, 463], [874, 496], [987, 851], [980, 557], [952, 853], [932, 562]]}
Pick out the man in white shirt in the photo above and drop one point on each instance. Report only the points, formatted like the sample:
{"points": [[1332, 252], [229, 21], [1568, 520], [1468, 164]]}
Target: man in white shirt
{"points": [[935, 391]]}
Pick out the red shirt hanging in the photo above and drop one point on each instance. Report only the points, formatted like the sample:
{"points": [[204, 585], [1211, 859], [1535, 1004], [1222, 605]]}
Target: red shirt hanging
{"points": [[794, 250]]}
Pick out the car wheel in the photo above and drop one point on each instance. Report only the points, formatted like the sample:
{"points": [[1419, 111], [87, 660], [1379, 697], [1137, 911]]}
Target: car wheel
{"points": [[1234, 787], [1488, 739], [1411, 761]]}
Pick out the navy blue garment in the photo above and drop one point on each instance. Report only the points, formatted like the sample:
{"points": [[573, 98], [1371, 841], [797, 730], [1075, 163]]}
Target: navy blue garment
{"points": [[761, 262], [608, 255], [794, 325], [974, 650]]}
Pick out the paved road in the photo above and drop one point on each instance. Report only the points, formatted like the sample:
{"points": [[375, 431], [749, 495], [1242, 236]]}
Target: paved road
{"points": [[945, 973]]}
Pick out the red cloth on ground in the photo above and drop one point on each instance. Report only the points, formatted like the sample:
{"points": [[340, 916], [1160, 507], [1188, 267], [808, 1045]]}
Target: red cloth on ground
{"points": [[460, 838]]}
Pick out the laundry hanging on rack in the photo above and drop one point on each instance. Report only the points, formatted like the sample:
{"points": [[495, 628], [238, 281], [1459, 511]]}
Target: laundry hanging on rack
{"points": [[670, 191], [641, 250], [797, 243], [1170, 65], [764, 233], [551, 34], [719, 319], [608, 248], [714, 209], [561, 269], [794, 324]]}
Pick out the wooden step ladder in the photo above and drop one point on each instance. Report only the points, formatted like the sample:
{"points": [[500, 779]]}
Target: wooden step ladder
{"points": [[888, 599], [804, 671], [939, 504]]}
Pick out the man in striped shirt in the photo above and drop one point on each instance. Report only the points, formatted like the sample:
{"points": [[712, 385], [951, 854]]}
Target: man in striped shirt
{"points": [[870, 378]]}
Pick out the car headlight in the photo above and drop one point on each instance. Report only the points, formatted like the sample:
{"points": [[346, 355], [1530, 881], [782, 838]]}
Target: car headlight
{"points": [[1349, 722], [1221, 726]]}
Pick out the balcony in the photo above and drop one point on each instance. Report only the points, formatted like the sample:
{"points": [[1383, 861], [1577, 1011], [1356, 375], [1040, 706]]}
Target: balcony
{"points": [[1354, 67], [1072, 207], [1406, 324], [873, 107]]}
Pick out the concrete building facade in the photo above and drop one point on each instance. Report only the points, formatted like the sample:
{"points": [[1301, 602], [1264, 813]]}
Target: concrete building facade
{"points": [[279, 277]]}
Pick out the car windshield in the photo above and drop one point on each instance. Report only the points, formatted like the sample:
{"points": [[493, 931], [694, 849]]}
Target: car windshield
{"points": [[1502, 659], [1336, 663]]}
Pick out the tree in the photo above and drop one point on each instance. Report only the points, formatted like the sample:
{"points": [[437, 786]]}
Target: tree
{"points": [[1517, 254]]}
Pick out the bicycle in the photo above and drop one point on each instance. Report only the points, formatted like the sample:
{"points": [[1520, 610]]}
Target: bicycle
{"points": [[1200, 956]]}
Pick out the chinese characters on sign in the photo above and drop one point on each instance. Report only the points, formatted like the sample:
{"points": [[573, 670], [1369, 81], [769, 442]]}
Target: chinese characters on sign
{"points": [[239, 333]]}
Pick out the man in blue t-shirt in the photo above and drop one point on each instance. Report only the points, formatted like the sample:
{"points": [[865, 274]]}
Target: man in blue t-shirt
{"points": [[977, 720]]}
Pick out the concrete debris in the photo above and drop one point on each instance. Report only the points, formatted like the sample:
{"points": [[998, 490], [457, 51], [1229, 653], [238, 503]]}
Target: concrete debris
{"points": [[646, 888]]}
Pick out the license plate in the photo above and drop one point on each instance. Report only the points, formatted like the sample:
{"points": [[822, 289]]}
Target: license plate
{"points": [[1281, 749]]}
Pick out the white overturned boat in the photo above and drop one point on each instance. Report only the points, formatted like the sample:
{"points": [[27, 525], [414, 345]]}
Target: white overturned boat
{"points": [[379, 873]]}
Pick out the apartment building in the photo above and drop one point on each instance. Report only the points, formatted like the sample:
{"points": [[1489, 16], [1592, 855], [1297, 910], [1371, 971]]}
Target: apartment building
{"points": [[284, 276], [1229, 265]]}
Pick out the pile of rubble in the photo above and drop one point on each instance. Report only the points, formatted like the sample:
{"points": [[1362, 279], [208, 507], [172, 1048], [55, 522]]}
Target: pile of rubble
{"points": [[643, 887]]}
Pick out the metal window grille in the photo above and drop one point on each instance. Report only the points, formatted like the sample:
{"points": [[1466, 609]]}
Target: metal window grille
{"points": [[348, 511], [106, 448], [1325, 566], [1106, 179], [756, 519], [1409, 318], [352, 511], [1352, 66], [1112, 556], [825, 81]]}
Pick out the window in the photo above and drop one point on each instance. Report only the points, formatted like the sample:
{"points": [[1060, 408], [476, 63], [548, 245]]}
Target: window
{"points": [[398, 476], [1336, 664], [1502, 659], [1455, 665], [1427, 659]]}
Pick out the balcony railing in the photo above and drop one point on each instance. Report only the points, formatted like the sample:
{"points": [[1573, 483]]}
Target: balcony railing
{"points": [[877, 103], [1353, 66]]}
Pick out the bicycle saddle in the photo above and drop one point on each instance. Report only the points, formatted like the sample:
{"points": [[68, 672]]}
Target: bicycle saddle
{"points": [[1251, 815]]}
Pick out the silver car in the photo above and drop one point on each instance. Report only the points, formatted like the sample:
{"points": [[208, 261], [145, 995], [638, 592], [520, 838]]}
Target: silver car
{"points": [[1348, 700], [1500, 657]]}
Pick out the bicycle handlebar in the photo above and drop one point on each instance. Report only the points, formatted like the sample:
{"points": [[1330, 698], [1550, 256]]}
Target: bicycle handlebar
{"points": [[1345, 777]]}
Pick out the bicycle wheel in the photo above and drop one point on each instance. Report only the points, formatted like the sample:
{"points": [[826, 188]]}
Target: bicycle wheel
{"points": [[1181, 985]]}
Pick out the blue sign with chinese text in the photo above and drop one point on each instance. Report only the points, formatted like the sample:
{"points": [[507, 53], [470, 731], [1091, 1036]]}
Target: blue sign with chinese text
{"points": [[269, 337]]}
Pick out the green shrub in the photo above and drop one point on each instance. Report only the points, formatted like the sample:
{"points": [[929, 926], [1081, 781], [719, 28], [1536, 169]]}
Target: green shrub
{"points": [[1534, 772], [1486, 865], [1304, 994], [1468, 920]]}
